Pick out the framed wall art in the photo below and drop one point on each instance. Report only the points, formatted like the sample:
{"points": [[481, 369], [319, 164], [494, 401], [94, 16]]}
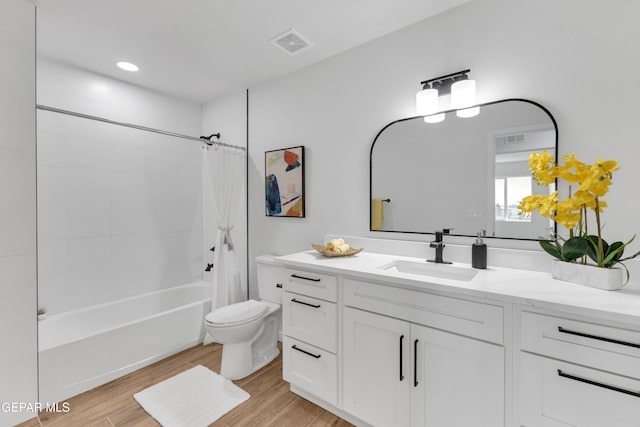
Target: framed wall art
{"points": [[284, 182]]}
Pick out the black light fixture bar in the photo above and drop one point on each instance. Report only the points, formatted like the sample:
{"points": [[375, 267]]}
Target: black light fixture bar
{"points": [[443, 83]]}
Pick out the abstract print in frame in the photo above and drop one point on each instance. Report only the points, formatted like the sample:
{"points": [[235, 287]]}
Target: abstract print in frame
{"points": [[284, 182]]}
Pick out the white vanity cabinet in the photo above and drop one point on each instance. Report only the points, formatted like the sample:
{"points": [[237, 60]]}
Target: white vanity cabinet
{"points": [[577, 372], [507, 347], [309, 328], [397, 372]]}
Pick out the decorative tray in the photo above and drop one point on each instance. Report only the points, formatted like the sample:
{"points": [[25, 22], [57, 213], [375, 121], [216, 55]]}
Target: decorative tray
{"points": [[324, 251]]}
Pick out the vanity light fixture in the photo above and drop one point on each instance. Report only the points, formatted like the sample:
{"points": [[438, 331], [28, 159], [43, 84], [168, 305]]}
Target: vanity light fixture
{"points": [[458, 85], [127, 66]]}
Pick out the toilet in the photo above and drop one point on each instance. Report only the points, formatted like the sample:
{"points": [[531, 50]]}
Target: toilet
{"points": [[249, 330]]}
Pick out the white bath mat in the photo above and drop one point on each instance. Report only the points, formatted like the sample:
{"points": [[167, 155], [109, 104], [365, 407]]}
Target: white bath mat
{"points": [[194, 398]]}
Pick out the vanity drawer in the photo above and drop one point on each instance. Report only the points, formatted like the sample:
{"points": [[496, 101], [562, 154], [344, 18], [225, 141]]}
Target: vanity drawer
{"points": [[318, 285], [473, 319], [310, 320], [604, 347], [311, 369], [556, 393]]}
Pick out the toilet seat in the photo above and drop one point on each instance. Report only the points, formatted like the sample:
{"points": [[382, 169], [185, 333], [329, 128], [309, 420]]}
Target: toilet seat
{"points": [[236, 314]]}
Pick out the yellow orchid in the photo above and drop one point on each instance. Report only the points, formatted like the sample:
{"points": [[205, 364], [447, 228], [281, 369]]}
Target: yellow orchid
{"points": [[543, 168], [545, 205], [573, 170], [593, 183]]}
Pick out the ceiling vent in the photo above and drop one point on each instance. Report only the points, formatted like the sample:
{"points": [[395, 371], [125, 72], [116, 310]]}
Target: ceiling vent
{"points": [[291, 42]]}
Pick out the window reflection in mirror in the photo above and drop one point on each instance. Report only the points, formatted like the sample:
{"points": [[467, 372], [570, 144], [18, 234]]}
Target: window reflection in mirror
{"points": [[468, 174]]}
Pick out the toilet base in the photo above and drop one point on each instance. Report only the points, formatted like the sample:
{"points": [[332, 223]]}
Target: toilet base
{"points": [[244, 358], [237, 360]]}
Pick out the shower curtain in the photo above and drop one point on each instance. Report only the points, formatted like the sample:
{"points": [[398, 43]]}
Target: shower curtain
{"points": [[225, 171]]}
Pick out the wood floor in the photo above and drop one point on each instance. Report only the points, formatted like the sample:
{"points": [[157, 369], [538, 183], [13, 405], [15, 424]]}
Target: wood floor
{"points": [[112, 404]]}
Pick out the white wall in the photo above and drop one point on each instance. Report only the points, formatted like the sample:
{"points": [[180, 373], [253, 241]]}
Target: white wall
{"points": [[18, 362], [564, 55], [119, 209], [226, 115]]}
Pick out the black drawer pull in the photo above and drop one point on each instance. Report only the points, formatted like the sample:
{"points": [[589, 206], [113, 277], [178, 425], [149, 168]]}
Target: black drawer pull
{"points": [[305, 278], [278, 285], [415, 363], [317, 356], [595, 337], [597, 384], [305, 303], [401, 375]]}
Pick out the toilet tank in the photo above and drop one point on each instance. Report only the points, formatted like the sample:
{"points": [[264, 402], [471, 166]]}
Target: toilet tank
{"points": [[270, 278]]}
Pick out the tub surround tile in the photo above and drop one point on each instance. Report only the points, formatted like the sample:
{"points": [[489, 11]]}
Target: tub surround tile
{"points": [[53, 290], [52, 204], [127, 204], [88, 204], [148, 203]]}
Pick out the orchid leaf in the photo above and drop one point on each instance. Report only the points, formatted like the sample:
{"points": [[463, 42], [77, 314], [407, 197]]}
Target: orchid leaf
{"points": [[574, 248], [614, 254], [593, 248], [551, 248]]}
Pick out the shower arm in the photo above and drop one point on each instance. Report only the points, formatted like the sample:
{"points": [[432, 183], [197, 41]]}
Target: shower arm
{"points": [[207, 139]]}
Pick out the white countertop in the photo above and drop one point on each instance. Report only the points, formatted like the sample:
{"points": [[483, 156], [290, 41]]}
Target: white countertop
{"points": [[525, 287]]}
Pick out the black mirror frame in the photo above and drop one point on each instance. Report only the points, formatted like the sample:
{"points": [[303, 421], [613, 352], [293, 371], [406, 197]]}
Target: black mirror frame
{"points": [[555, 125]]}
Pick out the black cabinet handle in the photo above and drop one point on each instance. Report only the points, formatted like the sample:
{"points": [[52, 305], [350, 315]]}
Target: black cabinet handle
{"points": [[597, 384], [415, 363], [278, 285], [305, 303], [595, 337], [401, 375], [317, 356], [305, 278]]}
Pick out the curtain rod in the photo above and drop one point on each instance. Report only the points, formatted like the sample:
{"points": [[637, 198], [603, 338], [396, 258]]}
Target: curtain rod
{"points": [[144, 128]]}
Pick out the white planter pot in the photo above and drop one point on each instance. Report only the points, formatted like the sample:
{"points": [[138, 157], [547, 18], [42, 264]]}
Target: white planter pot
{"points": [[602, 278]]}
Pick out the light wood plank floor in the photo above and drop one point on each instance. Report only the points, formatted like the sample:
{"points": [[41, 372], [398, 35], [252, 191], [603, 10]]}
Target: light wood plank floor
{"points": [[112, 404]]}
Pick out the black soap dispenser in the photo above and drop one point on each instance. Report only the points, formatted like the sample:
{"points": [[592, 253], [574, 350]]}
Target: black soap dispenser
{"points": [[479, 253]]}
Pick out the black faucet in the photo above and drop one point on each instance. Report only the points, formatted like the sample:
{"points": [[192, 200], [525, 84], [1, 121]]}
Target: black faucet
{"points": [[438, 244]]}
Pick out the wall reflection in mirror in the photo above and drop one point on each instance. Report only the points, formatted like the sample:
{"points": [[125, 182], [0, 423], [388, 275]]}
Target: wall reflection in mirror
{"points": [[464, 174]]}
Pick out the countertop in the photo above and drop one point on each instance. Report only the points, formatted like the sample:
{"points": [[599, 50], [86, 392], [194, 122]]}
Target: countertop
{"points": [[529, 288]]}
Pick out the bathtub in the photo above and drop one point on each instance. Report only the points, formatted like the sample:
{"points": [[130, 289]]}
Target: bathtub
{"points": [[82, 349]]}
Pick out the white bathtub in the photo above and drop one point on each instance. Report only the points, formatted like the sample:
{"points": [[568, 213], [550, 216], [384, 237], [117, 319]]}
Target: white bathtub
{"points": [[82, 349]]}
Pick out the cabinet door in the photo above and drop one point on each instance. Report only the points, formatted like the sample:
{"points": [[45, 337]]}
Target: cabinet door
{"points": [[561, 394], [455, 381], [376, 371]]}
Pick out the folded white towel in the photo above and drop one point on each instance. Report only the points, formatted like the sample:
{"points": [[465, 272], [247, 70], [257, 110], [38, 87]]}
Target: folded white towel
{"points": [[332, 244]]}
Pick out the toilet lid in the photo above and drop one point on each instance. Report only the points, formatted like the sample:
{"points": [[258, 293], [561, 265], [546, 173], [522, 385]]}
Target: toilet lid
{"points": [[237, 313]]}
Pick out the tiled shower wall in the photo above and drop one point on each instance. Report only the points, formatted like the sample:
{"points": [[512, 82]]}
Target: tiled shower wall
{"points": [[119, 209], [119, 212]]}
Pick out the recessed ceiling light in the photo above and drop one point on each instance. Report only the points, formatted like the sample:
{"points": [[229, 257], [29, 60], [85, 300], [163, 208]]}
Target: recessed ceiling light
{"points": [[127, 66]]}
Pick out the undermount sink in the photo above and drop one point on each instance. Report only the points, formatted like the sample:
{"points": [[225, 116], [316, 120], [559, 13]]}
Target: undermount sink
{"points": [[442, 271]]}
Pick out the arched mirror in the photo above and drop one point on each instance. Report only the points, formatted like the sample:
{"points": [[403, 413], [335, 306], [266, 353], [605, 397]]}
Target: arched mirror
{"points": [[462, 174]]}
